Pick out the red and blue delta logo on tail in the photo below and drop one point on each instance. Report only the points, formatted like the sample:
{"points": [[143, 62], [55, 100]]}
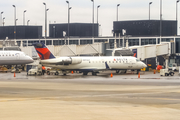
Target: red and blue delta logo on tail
{"points": [[43, 51]]}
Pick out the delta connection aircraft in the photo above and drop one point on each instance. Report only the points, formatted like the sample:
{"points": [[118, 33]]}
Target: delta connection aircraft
{"points": [[87, 64], [14, 58]]}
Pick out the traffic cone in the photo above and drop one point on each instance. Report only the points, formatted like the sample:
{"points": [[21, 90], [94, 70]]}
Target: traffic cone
{"points": [[14, 74], [139, 75], [154, 71], [111, 75], [72, 72]]}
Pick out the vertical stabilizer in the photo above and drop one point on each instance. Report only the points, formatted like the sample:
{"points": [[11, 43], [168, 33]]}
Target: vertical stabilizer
{"points": [[43, 52]]}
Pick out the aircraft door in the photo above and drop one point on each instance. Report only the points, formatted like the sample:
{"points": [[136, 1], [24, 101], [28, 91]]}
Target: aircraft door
{"points": [[17, 56], [130, 63]]}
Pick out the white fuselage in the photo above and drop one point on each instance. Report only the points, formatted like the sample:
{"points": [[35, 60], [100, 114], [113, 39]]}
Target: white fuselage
{"points": [[96, 63], [14, 58]]}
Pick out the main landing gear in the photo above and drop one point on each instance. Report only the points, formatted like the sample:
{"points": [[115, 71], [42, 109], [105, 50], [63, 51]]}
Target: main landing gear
{"points": [[93, 73], [85, 73]]}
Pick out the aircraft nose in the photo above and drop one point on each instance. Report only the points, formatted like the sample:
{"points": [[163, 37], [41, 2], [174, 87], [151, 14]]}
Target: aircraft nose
{"points": [[144, 65], [30, 59]]}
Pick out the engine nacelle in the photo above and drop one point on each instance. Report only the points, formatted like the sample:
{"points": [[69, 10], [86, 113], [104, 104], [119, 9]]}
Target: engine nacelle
{"points": [[67, 61], [76, 60]]}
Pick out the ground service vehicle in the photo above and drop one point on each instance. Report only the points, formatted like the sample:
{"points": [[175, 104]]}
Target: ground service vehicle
{"points": [[35, 70], [166, 72]]}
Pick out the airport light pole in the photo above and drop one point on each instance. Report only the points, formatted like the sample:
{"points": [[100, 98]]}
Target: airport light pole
{"points": [[149, 9], [3, 21], [45, 21], [117, 10], [93, 18], [28, 22], [69, 13], [1, 17], [177, 14], [14, 15], [24, 17], [14, 21], [68, 17], [177, 10], [97, 12], [160, 19]]}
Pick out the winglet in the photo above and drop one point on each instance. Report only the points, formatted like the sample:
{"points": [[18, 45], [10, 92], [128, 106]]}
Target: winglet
{"points": [[43, 52], [107, 66]]}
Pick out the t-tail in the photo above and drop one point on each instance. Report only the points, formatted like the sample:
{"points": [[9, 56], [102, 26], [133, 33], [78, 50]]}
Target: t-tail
{"points": [[43, 52]]}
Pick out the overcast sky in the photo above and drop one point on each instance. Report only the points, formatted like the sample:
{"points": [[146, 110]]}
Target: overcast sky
{"points": [[81, 11]]}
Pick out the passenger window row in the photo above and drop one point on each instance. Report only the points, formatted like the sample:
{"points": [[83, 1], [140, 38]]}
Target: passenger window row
{"points": [[7, 55], [108, 61]]}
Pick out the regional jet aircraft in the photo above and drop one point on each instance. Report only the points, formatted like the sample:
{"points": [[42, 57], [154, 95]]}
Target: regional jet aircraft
{"points": [[14, 58], [87, 64]]}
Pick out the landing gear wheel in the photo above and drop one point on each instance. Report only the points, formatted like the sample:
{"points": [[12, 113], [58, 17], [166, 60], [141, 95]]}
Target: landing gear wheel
{"points": [[85, 73], [117, 71], [171, 73], [94, 73], [56, 73], [138, 71], [48, 73]]}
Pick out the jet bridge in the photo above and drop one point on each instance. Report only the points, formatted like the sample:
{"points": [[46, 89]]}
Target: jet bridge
{"points": [[164, 49], [150, 51]]}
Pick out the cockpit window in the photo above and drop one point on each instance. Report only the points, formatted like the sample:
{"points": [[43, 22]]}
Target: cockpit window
{"points": [[137, 60]]}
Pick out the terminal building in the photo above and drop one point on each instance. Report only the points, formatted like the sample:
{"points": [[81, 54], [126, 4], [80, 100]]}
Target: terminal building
{"points": [[144, 28], [75, 30], [20, 32], [138, 33]]}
